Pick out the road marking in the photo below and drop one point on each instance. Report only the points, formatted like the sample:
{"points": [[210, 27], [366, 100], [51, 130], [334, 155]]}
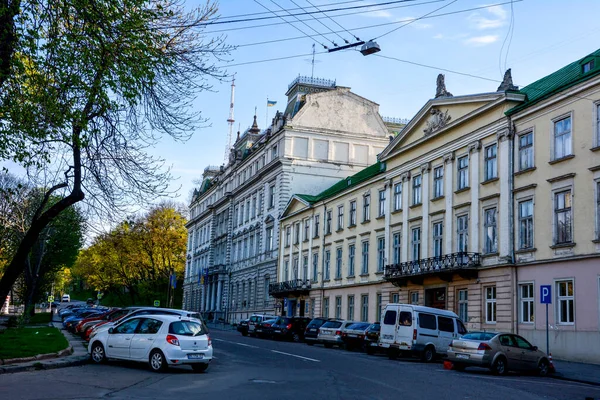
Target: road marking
{"points": [[295, 355], [240, 344]]}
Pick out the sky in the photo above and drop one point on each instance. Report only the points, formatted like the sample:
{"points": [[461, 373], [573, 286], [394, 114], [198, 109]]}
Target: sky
{"points": [[482, 39]]}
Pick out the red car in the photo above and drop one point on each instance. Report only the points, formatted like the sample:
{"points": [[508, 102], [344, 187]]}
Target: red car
{"points": [[86, 329], [98, 317]]}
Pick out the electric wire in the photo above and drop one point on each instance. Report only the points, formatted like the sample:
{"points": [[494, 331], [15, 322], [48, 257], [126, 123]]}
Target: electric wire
{"points": [[334, 21], [319, 21], [510, 26], [262, 13]]}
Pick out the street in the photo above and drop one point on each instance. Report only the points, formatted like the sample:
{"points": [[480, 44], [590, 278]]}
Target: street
{"points": [[249, 368]]}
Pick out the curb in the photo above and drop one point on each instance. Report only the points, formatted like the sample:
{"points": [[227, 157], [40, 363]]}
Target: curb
{"points": [[47, 356], [44, 366], [564, 378]]}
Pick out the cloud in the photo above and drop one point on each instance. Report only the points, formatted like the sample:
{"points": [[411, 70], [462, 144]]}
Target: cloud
{"points": [[481, 40], [378, 14], [438, 36], [495, 18]]}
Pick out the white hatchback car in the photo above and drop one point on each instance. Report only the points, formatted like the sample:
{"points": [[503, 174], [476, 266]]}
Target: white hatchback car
{"points": [[159, 340]]}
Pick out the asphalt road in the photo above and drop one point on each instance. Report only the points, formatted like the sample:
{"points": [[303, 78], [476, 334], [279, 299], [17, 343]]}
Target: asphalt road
{"points": [[248, 368]]}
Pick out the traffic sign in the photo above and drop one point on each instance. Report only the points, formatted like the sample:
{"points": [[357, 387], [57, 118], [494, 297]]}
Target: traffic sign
{"points": [[546, 294], [50, 299], [156, 303]]}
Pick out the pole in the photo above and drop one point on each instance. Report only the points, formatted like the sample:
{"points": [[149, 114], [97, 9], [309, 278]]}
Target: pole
{"points": [[547, 332]]}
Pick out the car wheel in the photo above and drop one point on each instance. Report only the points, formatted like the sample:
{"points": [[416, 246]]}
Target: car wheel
{"points": [[199, 367], [157, 361], [428, 354], [328, 345], [543, 367], [296, 337], [244, 333], [500, 367], [98, 355]]}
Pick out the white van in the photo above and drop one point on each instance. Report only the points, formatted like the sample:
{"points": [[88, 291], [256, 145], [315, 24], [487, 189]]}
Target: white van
{"points": [[424, 331], [66, 298]]}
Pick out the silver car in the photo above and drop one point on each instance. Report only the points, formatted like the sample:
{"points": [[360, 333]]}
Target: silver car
{"points": [[330, 333], [500, 352]]}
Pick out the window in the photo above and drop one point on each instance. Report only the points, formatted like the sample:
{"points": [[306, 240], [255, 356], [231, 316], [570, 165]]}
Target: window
{"points": [[438, 236], [527, 301], [286, 270], [351, 308], [274, 152], [565, 298], [295, 267], [242, 214], [597, 124], [463, 301], [562, 138], [563, 218], [398, 196], [380, 254], [272, 196], [491, 232], [416, 244], [526, 151], [326, 307], [491, 163], [462, 230], [598, 210], [352, 220], [395, 297], [326, 264], [490, 305], [338, 307], [414, 298], [306, 229], [364, 308], [297, 233], [445, 324], [438, 182], [338, 263], [381, 203], [406, 318], [315, 265], [254, 207], [378, 309], [396, 248], [351, 254], [127, 327], [366, 207], [416, 190], [588, 66], [526, 224], [251, 246], [328, 222], [288, 234], [316, 222], [390, 317], [427, 321], [305, 268], [365, 258], [247, 210], [235, 216], [463, 173], [340, 217]]}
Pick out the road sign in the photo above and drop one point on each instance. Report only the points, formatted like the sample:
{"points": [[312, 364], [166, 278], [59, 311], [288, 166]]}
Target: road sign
{"points": [[156, 303], [50, 299], [546, 294]]}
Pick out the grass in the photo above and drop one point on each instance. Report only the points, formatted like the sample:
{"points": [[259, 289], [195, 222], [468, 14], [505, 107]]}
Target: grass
{"points": [[27, 342], [40, 318]]}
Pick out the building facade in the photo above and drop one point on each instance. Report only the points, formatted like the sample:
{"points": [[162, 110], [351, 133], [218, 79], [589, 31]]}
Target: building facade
{"points": [[234, 226], [479, 201]]}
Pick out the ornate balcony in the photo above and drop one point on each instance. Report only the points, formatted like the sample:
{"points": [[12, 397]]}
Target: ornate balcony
{"points": [[461, 263], [294, 287]]}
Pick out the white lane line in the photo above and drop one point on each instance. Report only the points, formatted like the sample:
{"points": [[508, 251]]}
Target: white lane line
{"points": [[295, 355], [240, 344]]}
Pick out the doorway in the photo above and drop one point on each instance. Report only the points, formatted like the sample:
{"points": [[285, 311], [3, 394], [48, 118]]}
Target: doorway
{"points": [[436, 298], [302, 307]]}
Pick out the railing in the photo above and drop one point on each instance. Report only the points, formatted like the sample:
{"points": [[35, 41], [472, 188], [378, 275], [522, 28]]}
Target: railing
{"points": [[395, 120], [296, 285], [447, 262], [312, 81]]}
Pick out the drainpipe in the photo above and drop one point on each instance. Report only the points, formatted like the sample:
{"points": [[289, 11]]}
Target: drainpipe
{"points": [[511, 223], [323, 261]]}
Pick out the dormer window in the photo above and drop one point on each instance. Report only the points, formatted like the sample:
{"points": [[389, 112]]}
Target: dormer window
{"points": [[588, 66]]}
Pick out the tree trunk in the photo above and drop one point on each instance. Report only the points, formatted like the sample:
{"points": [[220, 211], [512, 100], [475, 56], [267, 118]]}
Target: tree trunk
{"points": [[8, 37]]}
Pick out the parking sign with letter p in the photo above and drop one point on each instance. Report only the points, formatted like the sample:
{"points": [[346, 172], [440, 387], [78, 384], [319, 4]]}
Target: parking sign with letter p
{"points": [[546, 294]]}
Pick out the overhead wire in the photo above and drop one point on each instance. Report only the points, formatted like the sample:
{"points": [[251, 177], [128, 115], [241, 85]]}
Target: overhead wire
{"points": [[261, 13], [326, 27], [334, 21]]}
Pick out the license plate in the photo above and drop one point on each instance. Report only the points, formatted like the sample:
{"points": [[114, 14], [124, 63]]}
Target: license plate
{"points": [[463, 356], [313, 330], [195, 356], [277, 331], [351, 335]]}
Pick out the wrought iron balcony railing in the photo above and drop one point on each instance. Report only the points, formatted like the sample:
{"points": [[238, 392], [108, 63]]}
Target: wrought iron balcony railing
{"points": [[427, 266], [289, 287]]}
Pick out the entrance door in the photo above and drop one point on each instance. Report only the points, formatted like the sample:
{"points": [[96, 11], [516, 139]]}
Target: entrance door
{"points": [[436, 298], [302, 307]]}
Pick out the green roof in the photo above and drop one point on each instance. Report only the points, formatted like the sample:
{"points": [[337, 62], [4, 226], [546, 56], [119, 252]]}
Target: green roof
{"points": [[345, 183], [560, 80]]}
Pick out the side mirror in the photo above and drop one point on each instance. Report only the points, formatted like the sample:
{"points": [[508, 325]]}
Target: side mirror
{"points": [[535, 348], [110, 330]]}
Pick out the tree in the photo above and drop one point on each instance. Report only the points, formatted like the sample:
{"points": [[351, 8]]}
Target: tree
{"points": [[9, 9], [92, 84]]}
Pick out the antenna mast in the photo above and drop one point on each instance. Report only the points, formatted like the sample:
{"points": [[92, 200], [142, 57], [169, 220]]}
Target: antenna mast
{"points": [[312, 72], [230, 121]]}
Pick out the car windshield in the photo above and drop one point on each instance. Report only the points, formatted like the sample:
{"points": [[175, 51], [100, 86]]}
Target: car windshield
{"points": [[186, 328], [332, 324], [315, 323], [359, 327], [484, 336], [375, 327]]}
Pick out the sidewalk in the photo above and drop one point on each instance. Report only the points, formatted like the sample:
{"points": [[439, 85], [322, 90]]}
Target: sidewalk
{"points": [[76, 354], [220, 326], [577, 372]]}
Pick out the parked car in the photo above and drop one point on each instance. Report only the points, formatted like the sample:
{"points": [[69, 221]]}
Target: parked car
{"points": [[417, 330], [96, 319], [256, 319], [90, 302], [353, 335], [290, 328], [66, 298], [265, 329], [500, 352], [372, 338], [159, 340], [312, 330], [243, 327], [70, 322], [90, 326], [330, 333]]}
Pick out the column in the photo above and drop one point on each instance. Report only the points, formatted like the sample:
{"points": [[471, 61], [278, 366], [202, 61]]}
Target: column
{"points": [[504, 215], [425, 210], [219, 294], [449, 201], [388, 220], [214, 296], [207, 303], [405, 208], [279, 277], [474, 184]]}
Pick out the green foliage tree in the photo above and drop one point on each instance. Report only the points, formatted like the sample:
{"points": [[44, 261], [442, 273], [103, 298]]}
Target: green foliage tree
{"points": [[92, 84]]}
